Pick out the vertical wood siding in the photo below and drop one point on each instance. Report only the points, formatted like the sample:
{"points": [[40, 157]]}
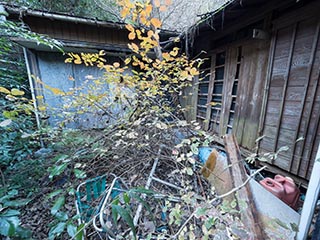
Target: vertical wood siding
{"points": [[78, 32], [235, 89], [293, 103]]}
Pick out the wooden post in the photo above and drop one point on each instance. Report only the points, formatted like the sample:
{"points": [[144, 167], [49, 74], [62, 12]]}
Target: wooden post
{"points": [[311, 200], [250, 216]]}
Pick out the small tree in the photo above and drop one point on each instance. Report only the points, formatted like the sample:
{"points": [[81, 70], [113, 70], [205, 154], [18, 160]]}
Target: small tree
{"points": [[142, 80]]}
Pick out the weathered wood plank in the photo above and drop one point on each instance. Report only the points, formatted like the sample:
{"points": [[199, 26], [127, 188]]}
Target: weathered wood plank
{"points": [[313, 140], [314, 90], [282, 104], [243, 88], [260, 51], [266, 93], [230, 78], [250, 216], [210, 90]]}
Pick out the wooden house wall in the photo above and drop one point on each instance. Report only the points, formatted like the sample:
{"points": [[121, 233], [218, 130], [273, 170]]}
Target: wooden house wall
{"points": [[230, 92], [78, 32], [293, 102], [53, 72]]}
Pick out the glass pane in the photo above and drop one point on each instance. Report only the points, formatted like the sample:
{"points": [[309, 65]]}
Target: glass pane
{"points": [[201, 112], [218, 88], [220, 58], [233, 105], [215, 114], [234, 88], [239, 53], [216, 98], [203, 88], [238, 70], [202, 100], [231, 117], [219, 73]]}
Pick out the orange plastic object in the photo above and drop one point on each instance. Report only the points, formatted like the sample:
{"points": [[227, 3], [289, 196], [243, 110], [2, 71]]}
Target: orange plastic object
{"points": [[291, 191], [284, 188], [273, 186]]}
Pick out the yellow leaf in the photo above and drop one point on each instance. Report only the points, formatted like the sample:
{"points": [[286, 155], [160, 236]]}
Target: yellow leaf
{"points": [[16, 92], [42, 108], [155, 22], [132, 36], [148, 10], [4, 90], [129, 27], [127, 61], [150, 33], [163, 8], [184, 74], [68, 60], [116, 64], [166, 55], [213, 103], [168, 2], [194, 71], [57, 91], [143, 20], [174, 53], [124, 12], [157, 3], [39, 97], [77, 61], [100, 65], [142, 66], [134, 47]]}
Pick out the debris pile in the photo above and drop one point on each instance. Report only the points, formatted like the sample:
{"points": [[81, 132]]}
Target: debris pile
{"points": [[158, 163], [158, 189]]}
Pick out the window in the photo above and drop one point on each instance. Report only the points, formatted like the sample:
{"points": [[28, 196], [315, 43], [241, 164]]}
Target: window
{"points": [[234, 91], [203, 89], [217, 90]]}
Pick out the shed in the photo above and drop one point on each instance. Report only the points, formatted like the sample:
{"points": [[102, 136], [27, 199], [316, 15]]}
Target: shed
{"points": [[77, 34], [261, 78]]}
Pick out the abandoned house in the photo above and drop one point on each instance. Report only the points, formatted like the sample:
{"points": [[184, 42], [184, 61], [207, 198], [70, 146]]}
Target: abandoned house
{"points": [[261, 78], [77, 34]]}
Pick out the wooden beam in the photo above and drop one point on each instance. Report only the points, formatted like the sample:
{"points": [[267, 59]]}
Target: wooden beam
{"points": [[224, 97], [303, 102], [231, 69], [210, 90], [314, 134], [284, 92], [194, 99], [263, 112], [250, 216]]}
